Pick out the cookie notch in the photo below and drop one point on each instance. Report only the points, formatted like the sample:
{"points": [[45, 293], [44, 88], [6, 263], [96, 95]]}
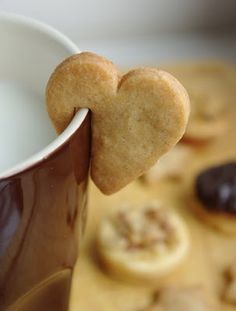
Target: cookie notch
{"points": [[135, 119]]}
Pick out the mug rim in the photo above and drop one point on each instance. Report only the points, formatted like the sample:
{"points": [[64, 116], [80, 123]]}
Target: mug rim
{"points": [[79, 117]]}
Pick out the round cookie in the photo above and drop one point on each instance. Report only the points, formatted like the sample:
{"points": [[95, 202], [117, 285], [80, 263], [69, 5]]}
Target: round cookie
{"points": [[229, 294], [220, 221], [143, 242], [211, 88], [192, 298], [215, 197], [135, 118], [171, 166]]}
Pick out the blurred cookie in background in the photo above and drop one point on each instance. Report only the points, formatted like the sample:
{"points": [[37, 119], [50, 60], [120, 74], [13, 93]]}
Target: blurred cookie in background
{"points": [[143, 242], [229, 294], [212, 89], [170, 166], [174, 298]]}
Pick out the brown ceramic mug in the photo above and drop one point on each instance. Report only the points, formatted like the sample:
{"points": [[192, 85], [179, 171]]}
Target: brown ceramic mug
{"points": [[43, 178]]}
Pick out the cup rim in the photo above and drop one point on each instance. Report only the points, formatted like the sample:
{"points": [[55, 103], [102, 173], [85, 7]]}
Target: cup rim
{"points": [[79, 117]]}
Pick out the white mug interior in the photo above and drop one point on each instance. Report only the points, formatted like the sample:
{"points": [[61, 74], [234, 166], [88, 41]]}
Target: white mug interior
{"points": [[30, 51]]}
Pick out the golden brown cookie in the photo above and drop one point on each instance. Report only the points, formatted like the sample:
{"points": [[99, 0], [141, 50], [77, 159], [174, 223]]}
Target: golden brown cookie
{"points": [[221, 221], [135, 118], [143, 242], [183, 299], [211, 88]]}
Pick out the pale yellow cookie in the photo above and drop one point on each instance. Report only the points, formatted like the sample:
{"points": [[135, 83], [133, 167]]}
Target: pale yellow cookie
{"points": [[135, 118], [183, 299], [211, 88], [171, 165], [143, 242]]}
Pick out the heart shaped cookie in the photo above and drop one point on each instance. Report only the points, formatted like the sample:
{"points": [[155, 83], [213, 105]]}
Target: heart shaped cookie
{"points": [[135, 118]]}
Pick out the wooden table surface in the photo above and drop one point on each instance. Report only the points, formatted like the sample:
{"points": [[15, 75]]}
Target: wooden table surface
{"points": [[210, 253]]}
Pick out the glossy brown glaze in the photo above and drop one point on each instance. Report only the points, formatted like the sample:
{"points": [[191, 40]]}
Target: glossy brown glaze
{"points": [[215, 188], [42, 217]]}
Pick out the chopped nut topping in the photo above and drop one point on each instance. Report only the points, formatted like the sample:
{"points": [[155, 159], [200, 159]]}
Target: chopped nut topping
{"points": [[148, 228]]}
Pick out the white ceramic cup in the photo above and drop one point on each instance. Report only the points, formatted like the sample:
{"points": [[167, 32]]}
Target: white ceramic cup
{"points": [[43, 178], [29, 52]]}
